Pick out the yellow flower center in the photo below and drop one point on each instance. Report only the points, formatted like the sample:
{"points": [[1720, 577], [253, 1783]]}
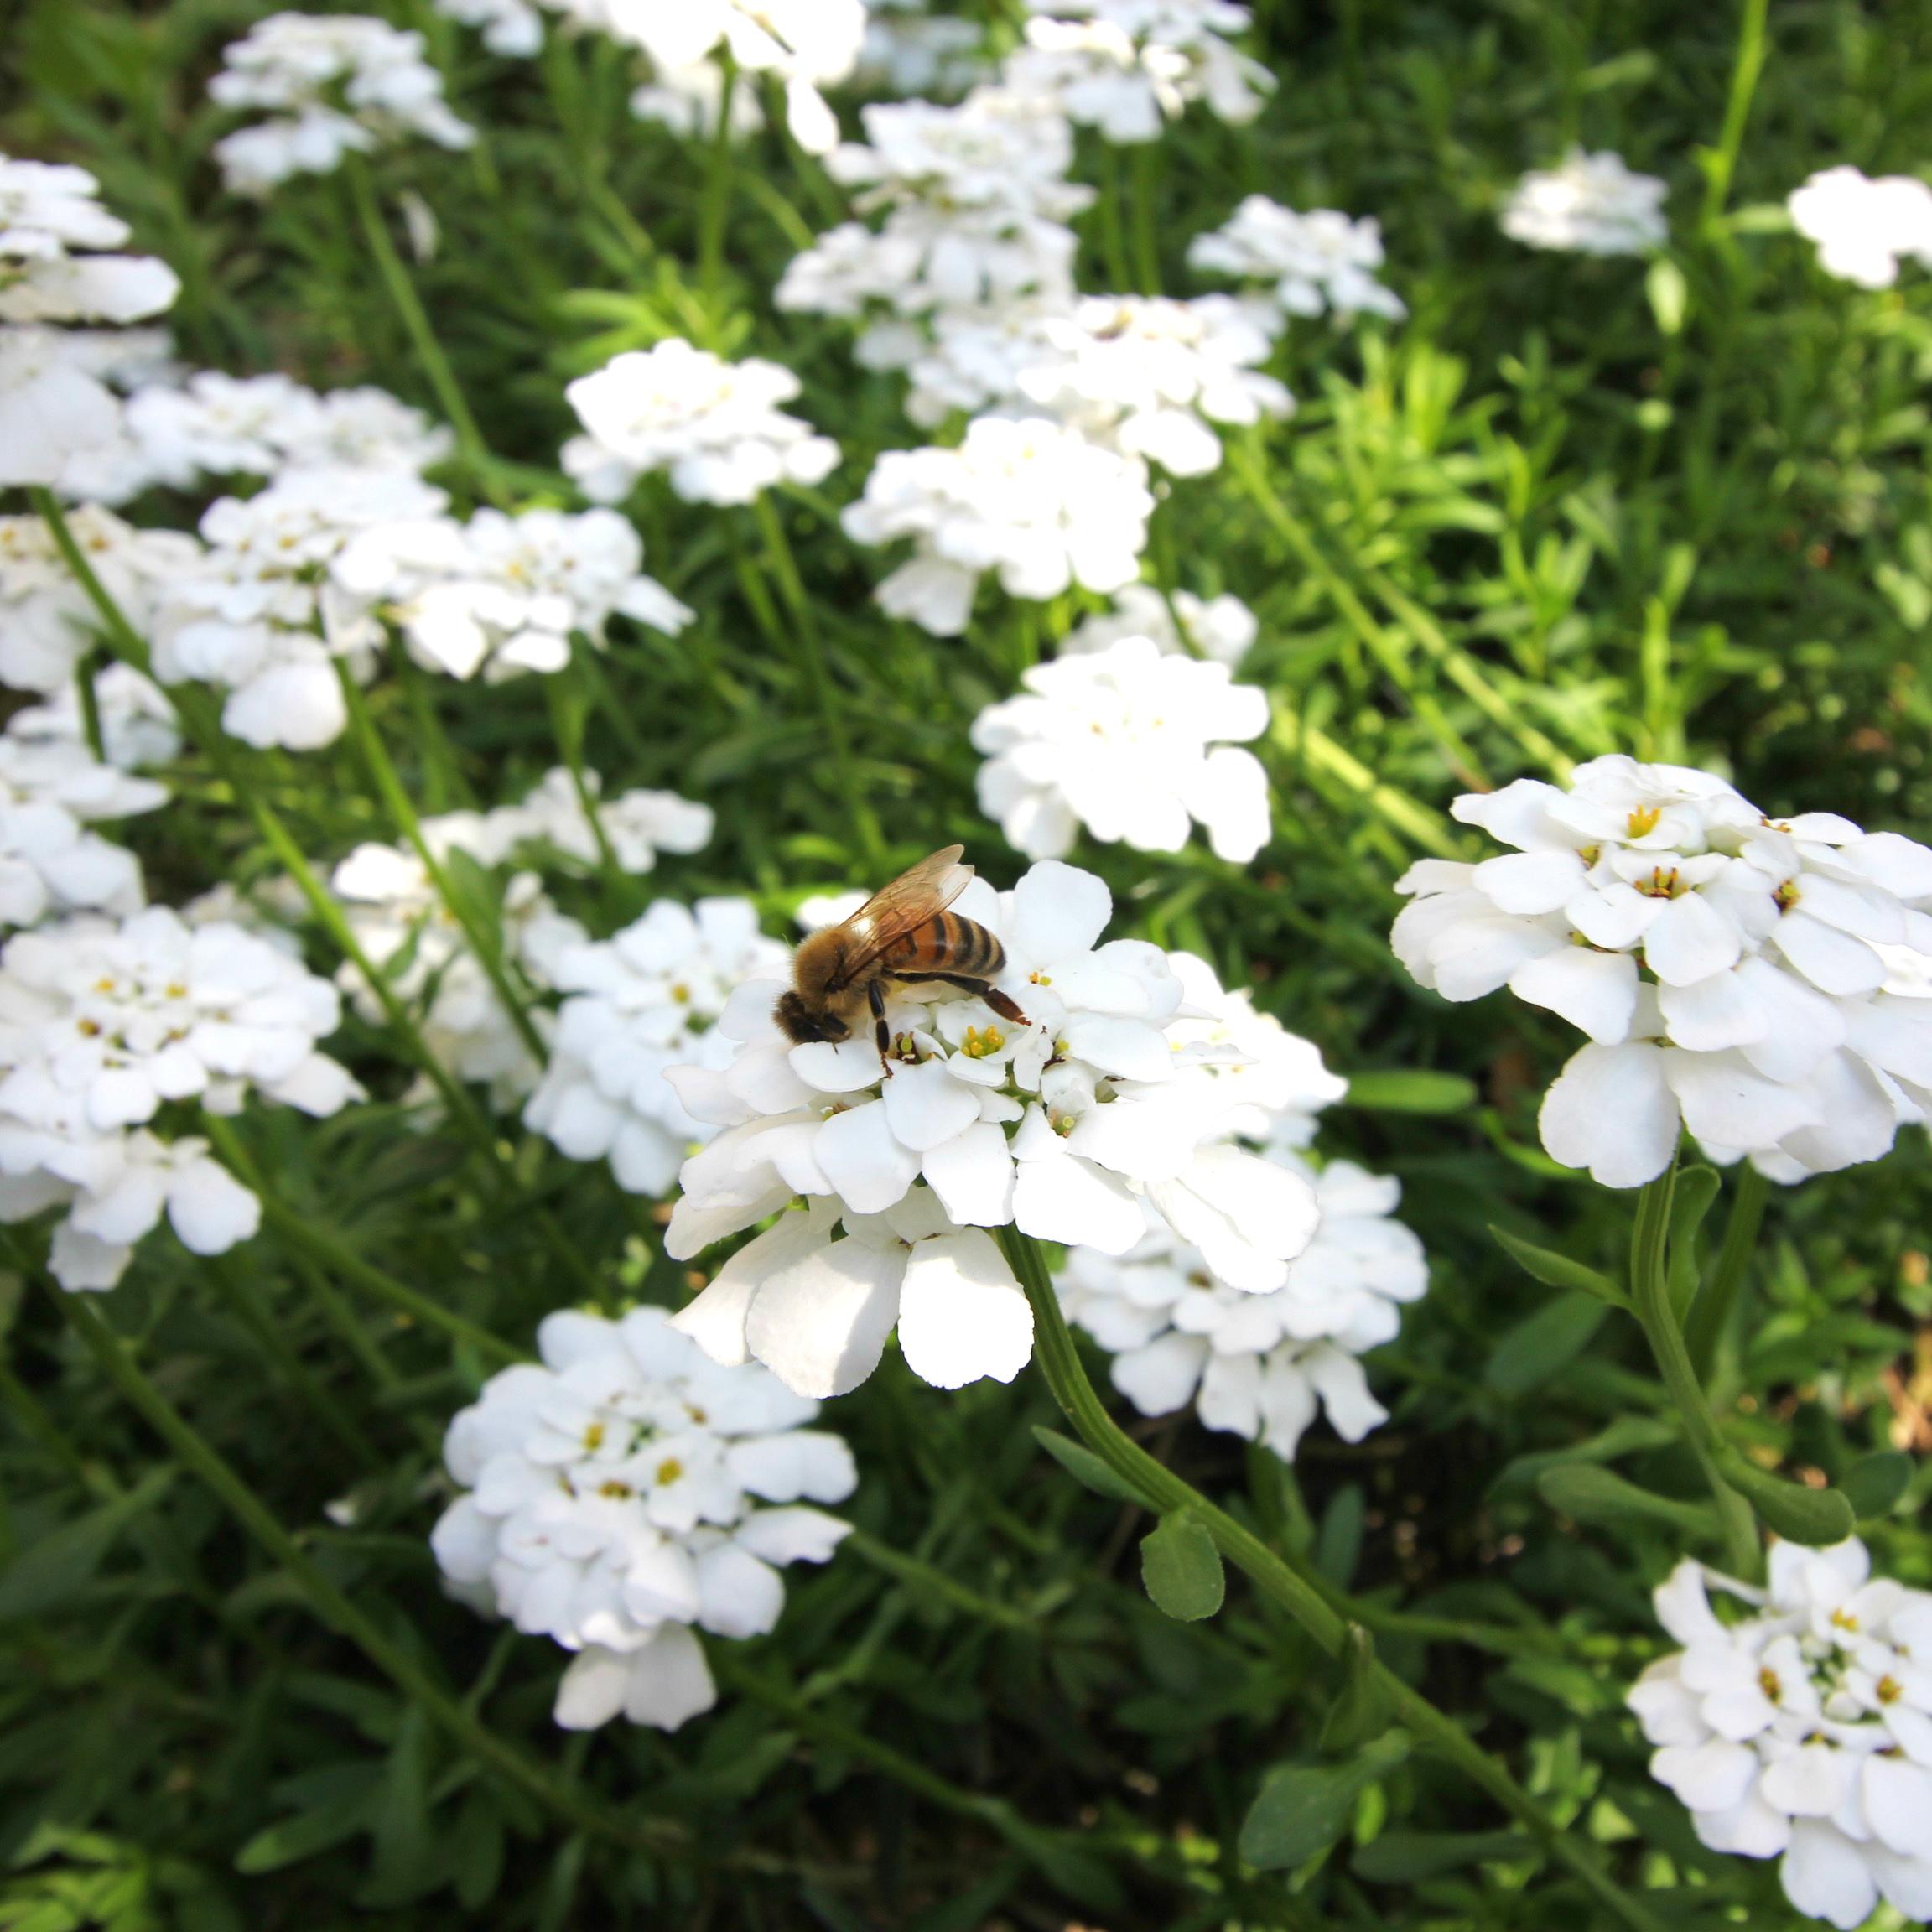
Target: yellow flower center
{"points": [[1643, 820]]}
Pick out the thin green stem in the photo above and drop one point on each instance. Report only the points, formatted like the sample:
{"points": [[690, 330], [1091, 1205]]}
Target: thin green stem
{"points": [[1113, 226], [1276, 1578], [1711, 1310], [714, 210], [333, 1605], [485, 944], [1721, 165], [450, 396], [1146, 245], [922, 1577], [1650, 1289], [568, 729], [818, 673], [90, 702]]}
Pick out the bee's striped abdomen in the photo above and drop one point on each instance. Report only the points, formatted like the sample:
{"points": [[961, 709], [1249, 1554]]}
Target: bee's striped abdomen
{"points": [[947, 944]]}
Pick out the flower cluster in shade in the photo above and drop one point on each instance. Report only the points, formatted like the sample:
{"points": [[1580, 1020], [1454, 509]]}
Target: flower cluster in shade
{"points": [[888, 1180], [106, 1026], [625, 1493], [1864, 228], [1731, 969], [59, 264], [1300, 265], [1133, 744], [714, 426], [327, 86], [1591, 205], [646, 1000], [1261, 1366], [1799, 1726]]}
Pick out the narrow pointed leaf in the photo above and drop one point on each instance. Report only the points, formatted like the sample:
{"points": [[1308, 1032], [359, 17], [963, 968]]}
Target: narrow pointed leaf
{"points": [[1556, 1270], [1303, 1809]]}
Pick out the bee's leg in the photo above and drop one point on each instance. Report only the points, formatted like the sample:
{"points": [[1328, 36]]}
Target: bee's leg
{"points": [[875, 998], [999, 1001]]}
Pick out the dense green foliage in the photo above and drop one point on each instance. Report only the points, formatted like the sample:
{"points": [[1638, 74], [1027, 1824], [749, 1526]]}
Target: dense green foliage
{"points": [[1567, 507]]}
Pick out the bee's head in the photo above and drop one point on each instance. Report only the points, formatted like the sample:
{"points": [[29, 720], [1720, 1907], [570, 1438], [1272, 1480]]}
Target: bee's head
{"points": [[801, 1024]]}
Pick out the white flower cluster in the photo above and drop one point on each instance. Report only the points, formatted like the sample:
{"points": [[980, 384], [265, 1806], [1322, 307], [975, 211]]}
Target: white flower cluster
{"points": [[714, 426], [1592, 204], [1727, 967], [51, 791], [1131, 743], [58, 417], [1864, 228], [1320, 261], [333, 85], [1031, 500], [1222, 629], [508, 27], [257, 614], [1065, 1125], [218, 425], [1127, 67], [1803, 1731], [502, 594], [103, 1023], [47, 624], [646, 1000], [906, 52], [619, 1496], [1261, 1366], [137, 726]]}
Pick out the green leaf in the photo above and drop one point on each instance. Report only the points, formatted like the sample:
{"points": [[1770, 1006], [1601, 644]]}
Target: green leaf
{"points": [[1873, 1484], [1303, 1809], [1084, 1467], [1590, 1495], [1816, 1518], [1556, 1270], [57, 1568], [325, 1824], [1625, 1437], [1411, 1090], [1360, 1710], [1691, 1197], [1538, 1348], [1402, 1858], [1182, 1568], [1670, 294]]}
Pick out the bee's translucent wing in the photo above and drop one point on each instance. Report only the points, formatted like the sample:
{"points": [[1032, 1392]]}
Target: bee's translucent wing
{"points": [[915, 896]]}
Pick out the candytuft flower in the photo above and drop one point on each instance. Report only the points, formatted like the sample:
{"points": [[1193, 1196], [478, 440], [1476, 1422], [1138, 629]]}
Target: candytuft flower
{"points": [[625, 1493], [1803, 1730], [1064, 1127], [1322, 260], [1727, 966], [1864, 228], [1592, 204]]}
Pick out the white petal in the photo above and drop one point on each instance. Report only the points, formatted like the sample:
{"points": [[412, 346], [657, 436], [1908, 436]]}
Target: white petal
{"points": [[669, 1681], [961, 1316], [1824, 1877], [1162, 1376], [792, 1536], [926, 1105], [1596, 991], [863, 1160], [592, 1692], [973, 1175], [210, 1210], [1690, 940], [1610, 1111], [820, 1325]]}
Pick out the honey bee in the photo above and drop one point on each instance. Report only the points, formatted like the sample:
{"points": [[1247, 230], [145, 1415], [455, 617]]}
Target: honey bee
{"points": [[902, 934]]}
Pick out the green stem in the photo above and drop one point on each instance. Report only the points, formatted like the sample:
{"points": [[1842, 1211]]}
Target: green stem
{"points": [[333, 1605], [1650, 1288], [1751, 47], [818, 673], [714, 211], [450, 396], [1114, 226], [90, 701], [1712, 1309], [568, 732], [1437, 1731], [1146, 248], [922, 1577], [485, 944]]}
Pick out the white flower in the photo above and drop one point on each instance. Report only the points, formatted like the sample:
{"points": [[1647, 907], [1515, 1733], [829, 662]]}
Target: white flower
{"points": [[257, 614], [913, 54], [51, 789], [1129, 66], [715, 426], [100, 1025], [220, 425], [1864, 228], [1725, 966], [1258, 1365], [1062, 1125], [644, 1001], [1222, 628], [137, 726], [1592, 204], [637, 825], [687, 100], [1802, 1731], [47, 624], [508, 27], [1035, 502], [335, 85], [627, 1492], [48, 211], [1322, 260], [403, 927], [502, 594], [1131, 744]]}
